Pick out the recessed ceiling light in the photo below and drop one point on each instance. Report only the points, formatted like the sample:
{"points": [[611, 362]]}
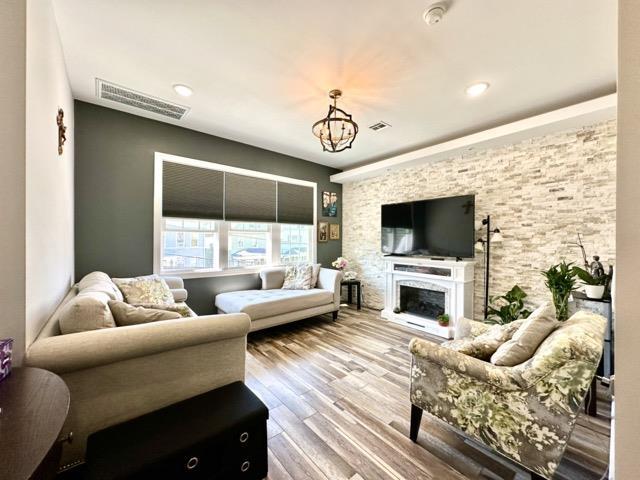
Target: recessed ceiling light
{"points": [[183, 90], [477, 89]]}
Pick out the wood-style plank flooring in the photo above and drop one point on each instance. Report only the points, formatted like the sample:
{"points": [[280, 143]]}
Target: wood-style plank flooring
{"points": [[339, 407]]}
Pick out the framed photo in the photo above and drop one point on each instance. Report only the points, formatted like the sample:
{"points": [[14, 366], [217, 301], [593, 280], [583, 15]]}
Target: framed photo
{"points": [[323, 231], [334, 231], [329, 204]]}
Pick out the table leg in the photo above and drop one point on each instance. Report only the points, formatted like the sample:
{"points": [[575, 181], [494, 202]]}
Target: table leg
{"points": [[591, 403], [359, 293], [349, 294]]}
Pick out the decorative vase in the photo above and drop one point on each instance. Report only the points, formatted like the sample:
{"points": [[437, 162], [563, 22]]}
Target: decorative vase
{"points": [[561, 302], [594, 291]]}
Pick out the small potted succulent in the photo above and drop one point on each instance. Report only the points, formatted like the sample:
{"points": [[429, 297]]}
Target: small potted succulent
{"points": [[443, 320], [593, 286]]}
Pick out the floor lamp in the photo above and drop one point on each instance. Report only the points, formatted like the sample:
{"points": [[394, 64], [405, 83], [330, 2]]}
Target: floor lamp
{"points": [[484, 244]]}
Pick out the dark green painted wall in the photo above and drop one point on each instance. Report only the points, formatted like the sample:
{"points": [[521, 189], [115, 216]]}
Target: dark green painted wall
{"points": [[114, 158]]}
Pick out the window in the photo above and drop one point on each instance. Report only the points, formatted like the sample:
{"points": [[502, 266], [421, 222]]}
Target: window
{"points": [[269, 219], [249, 244], [198, 254], [295, 243]]}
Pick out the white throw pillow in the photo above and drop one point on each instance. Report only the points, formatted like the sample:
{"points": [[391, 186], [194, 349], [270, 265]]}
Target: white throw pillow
{"points": [[298, 277]]}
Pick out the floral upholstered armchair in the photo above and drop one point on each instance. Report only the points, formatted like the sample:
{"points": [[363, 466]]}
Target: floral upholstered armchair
{"points": [[526, 412]]}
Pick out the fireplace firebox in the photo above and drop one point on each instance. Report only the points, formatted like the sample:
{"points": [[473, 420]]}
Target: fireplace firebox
{"points": [[423, 302]]}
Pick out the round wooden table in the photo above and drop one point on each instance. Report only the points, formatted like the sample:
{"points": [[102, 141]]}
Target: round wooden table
{"points": [[34, 406]]}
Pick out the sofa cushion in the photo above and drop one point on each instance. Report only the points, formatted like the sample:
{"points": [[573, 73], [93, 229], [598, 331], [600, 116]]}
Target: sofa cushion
{"points": [[99, 282], [268, 303], [298, 277], [125, 314], [145, 291], [84, 312], [528, 338], [179, 307]]}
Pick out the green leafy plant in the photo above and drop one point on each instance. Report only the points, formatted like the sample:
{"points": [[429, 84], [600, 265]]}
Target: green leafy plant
{"points": [[443, 320], [508, 307], [588, 279], [561, 281]]}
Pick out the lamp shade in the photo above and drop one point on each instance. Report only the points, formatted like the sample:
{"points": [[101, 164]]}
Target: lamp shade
{"points": [[479, 245], [497, 236]]}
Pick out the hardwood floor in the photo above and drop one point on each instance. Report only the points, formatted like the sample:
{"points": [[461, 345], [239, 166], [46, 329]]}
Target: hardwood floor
{"points": [[339, 409]]}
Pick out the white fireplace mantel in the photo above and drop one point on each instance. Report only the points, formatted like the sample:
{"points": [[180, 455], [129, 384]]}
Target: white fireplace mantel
{"points": [[453, 278]]}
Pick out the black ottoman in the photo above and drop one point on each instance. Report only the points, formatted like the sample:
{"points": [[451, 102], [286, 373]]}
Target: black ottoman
{"points": [[221, 434]]}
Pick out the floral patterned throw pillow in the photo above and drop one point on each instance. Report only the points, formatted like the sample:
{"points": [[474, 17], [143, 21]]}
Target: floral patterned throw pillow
{"points": [[298, 277], [145, 291], [485, 345]]}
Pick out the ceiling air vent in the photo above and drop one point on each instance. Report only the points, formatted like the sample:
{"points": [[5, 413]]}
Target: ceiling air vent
{"points": [[126, 96], [376, 127]]}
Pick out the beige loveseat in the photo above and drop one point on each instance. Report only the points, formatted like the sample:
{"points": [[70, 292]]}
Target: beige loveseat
{"points": [[115, 374], [272, 305]]}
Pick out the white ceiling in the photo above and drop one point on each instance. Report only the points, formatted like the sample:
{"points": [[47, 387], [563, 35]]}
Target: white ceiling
{"points": [[261, 70]]}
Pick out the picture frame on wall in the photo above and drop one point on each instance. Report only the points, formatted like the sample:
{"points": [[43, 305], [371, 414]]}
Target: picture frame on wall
{"points": [[323, 232], [329, 204], [334, 231]]}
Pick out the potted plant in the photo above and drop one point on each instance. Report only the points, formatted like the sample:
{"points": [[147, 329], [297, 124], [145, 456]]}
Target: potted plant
{"points": [[443, 320], [508, 307], [340, 263], [561, 281], [593, 286]]}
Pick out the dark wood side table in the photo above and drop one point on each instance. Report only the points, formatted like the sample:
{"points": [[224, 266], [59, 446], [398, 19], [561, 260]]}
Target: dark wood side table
{"points": [[350, 284], [601, 306], [34, 405]]}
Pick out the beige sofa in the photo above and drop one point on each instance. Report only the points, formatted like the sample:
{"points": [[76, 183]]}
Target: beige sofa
{"points": [[272, 305], [115, 374]]}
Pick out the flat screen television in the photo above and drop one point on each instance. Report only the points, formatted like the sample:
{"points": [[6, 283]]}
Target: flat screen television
{"points": [[441, 227]]}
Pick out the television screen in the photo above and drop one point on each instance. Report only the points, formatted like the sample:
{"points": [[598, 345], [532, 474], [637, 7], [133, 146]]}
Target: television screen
{"points": [[442, 227]]}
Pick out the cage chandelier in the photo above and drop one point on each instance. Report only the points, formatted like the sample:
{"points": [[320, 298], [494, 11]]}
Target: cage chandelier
{"points": [[337, 130]]}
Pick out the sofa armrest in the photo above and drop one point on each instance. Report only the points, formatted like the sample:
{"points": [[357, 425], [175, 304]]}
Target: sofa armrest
{"points": [[77, 351], [272, 278], [329, 279], [501, 377], [174, 282]]}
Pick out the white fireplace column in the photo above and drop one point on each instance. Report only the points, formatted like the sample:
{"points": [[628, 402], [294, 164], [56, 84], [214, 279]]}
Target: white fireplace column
{"points": [[453, 278]]}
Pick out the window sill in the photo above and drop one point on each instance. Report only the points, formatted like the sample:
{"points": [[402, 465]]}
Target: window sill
{"points": [[213, 273]]}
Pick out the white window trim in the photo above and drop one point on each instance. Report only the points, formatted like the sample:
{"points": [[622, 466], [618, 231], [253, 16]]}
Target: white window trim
{"points": [[160, 158]]}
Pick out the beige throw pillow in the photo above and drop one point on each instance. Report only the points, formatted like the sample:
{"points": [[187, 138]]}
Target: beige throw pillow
{"points": [[84, 312], [315, 273], [147, 290], [298, 277], [125, 314], [484, 345], [528, 338]]}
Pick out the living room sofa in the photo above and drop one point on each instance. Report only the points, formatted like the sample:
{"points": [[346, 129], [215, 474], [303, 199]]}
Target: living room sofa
{"points": [[116, 374], [526, 412], [273, 305]]}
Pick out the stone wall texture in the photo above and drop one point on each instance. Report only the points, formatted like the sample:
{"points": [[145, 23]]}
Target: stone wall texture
{"points": [[540, 192]]}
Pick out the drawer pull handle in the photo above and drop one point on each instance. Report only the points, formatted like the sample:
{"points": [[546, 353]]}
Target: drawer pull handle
{"points": [[192, 463], [244, 436], [245, 466]]}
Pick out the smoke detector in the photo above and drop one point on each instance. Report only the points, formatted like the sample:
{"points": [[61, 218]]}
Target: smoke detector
{"points": [[435, 13]]}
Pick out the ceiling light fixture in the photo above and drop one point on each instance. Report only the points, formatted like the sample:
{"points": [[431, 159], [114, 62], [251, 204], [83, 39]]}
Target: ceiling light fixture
{"points": [[183, 90], [477, 89], [337, 130]]}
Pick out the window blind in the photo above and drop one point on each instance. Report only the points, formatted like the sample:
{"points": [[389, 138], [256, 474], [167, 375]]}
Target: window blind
{"points": [[192, 192], [295, 204], [249, 199]]}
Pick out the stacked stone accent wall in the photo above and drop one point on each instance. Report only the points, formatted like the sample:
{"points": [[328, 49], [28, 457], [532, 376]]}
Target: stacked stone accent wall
{"points": [[540, 192]]}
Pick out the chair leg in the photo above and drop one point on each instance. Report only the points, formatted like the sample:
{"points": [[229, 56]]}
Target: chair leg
{"points": [[335, 315], [416, 416]]}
